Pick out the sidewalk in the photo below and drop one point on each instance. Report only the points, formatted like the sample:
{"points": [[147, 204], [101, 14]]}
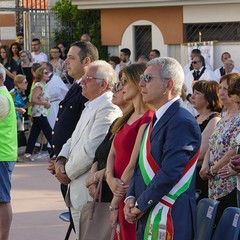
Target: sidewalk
{"points": [[37, 203]]}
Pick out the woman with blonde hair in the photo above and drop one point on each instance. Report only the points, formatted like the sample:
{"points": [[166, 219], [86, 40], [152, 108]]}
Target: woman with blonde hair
{"points": [[20, 103], [123, 153], [40, 104]]}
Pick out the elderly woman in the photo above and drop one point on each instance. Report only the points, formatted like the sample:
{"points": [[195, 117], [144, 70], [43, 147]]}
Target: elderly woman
{"points": [[222, 146], [41, 103], [233, 168], [20, 103], [205, 100], [101, 154]]}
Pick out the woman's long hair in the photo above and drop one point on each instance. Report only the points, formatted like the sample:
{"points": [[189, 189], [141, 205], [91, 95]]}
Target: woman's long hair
{"points": [[132, 73]]}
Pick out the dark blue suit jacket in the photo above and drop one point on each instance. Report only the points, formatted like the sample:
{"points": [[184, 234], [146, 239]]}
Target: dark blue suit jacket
{"points": [[175, 139], [70, 110]]}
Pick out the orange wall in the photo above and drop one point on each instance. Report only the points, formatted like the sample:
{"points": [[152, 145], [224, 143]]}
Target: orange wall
{"points": [[168, 19], [7, 20]]}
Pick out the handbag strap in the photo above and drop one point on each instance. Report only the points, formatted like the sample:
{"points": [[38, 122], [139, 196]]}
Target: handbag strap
{"points": [[98, 188]]}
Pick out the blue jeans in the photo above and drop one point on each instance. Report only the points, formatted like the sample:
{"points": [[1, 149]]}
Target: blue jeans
{"points": [[6, 169], [39, 124]]}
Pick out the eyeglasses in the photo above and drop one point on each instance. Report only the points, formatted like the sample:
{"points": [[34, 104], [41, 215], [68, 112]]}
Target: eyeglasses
{"points": [[87, 79], [117, 87], [146, 78], [228, 64], [195, 62]]}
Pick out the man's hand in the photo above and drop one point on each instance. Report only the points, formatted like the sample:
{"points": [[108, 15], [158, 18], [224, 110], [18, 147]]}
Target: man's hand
{"points": [[130, 216], [204, 173], [51, 166], [61, 173], [137, 211]]}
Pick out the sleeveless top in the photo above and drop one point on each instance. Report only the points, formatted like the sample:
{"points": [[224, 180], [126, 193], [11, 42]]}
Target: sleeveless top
{"points": [[206, 121], [8, 132]]}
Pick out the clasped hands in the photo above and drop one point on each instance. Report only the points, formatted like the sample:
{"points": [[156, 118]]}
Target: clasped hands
{"points": [[131, 212], [230, 169], [57, 168]]}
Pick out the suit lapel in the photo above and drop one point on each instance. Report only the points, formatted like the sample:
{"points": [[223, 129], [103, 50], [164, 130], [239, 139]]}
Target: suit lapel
{"points": [[165, 118], [71, 92], [81, 126]]}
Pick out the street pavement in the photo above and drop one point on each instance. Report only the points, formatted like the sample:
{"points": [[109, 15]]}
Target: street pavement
{"points": [[37, 203]]}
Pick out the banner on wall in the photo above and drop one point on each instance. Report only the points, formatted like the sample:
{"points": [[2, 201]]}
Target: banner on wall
{"points": [[206, 49]]}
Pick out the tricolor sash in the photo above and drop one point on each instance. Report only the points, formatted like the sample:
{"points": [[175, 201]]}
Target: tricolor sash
{"points": [[159, 224]]}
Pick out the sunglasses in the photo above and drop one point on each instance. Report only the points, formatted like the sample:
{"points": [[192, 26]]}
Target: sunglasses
{"points": [[25, 82], [123, 81], [117, 87], [195, 62], [146, 78]]}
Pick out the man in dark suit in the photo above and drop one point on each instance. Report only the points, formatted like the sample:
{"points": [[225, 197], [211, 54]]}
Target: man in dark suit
{"points": [[79, 56], [161, 196]]}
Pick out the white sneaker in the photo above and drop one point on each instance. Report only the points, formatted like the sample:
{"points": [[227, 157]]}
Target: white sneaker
{"points": [[27, 156]]}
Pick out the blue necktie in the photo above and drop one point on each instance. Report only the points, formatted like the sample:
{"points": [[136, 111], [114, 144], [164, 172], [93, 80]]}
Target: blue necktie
{"points": [[154, 119]]}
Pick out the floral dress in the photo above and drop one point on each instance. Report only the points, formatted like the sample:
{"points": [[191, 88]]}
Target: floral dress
{"points": [[222, 140], [38, 110]]}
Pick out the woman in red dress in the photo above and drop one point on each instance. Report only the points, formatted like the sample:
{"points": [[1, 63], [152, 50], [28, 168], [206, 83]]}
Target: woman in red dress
{"points": [[124, 150]]}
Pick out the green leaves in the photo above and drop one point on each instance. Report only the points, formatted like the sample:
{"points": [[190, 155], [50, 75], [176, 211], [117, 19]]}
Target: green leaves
{"points": [[72, 23]]}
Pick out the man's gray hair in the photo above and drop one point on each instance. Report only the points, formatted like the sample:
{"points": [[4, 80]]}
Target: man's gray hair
{"points": [[170, 69], [104, 71], [3, 72]]}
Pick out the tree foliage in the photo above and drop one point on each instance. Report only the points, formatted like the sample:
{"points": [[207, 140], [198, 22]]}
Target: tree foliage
{"points": [[73, 22]]}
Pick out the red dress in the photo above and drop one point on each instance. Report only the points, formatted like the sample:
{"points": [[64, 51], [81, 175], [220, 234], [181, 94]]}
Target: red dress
{"points": [[123, 143]]}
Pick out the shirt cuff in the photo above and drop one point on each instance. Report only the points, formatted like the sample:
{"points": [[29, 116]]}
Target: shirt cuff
{"points": [[128, 198]]}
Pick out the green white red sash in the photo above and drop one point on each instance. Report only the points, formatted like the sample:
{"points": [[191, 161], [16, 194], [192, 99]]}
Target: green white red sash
{"points": [[159, 224]]}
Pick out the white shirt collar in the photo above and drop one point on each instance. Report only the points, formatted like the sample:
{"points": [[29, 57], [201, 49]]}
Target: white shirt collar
{"points": [[95, 102], [79, 80], [159, 113]]}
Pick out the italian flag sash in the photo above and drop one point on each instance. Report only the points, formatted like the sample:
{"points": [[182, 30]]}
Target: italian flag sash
{"points": [[159, 224]]}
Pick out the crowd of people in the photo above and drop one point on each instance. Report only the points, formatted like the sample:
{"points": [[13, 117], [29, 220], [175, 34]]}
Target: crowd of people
{"points": [[162, 136]]}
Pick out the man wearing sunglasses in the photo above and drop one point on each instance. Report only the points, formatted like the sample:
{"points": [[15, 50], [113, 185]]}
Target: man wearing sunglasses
{"points": [[161, 195], [199, 72]]}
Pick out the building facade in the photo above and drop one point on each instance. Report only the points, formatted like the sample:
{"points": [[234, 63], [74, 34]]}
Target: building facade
{"points": [[168, 26]]}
